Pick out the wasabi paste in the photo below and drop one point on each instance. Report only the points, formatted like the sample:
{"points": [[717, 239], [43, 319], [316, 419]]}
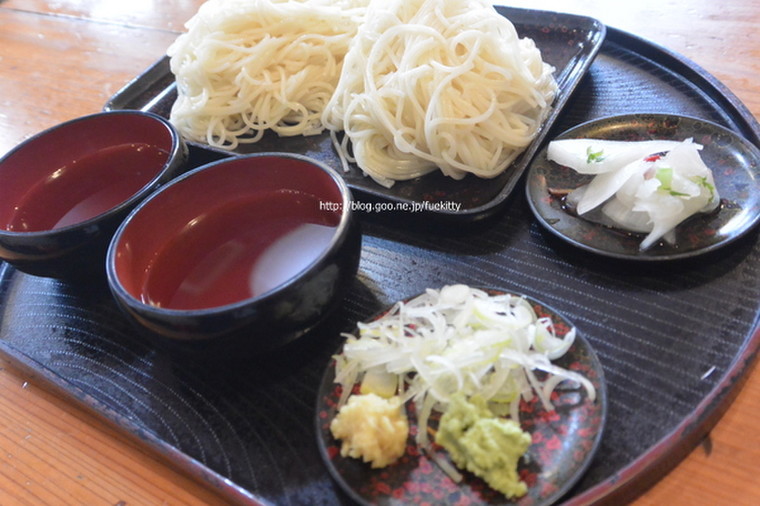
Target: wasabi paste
{"points": [[485, 445]]}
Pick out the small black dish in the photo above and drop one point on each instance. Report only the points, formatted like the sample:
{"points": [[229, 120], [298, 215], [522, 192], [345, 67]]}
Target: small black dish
{"points": [[565, 441], [734, 161]]}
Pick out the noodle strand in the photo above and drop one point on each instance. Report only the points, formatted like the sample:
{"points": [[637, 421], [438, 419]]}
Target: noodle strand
{"points": [[430, 85]]}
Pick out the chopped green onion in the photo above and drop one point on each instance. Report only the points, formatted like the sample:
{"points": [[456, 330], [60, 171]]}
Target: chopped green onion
{"points": [[665, 176], [702, 181], [594, 156]]}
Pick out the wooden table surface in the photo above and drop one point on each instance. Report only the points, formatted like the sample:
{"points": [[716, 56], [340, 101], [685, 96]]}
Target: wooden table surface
{"points": [[60, 59]]}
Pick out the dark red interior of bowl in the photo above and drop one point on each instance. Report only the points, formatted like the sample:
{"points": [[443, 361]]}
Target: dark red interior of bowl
{"points": [[80, 169], [227, 232]]}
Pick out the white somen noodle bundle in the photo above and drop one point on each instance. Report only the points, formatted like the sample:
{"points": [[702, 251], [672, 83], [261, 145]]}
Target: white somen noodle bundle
{"points": [[247, 66], [421, 85], [431, 84]]}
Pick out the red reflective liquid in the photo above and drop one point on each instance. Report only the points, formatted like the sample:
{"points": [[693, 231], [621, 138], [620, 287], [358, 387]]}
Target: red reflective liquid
{"points": [[87, 187], [238, 250]]}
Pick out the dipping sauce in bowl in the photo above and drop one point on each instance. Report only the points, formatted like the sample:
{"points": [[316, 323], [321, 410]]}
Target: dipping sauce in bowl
{"points": [[85, 187], [66, 190], [262, 246], [239, 249]]}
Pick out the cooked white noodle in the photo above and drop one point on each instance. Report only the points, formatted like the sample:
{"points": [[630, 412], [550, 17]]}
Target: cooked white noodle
{"points": [[247, 66], [421, 85], [429, 84]]}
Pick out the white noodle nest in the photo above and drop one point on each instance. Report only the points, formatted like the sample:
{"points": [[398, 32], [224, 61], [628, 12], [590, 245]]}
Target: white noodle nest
{"points": [[416, 85], [247, 66], [431, 85]]}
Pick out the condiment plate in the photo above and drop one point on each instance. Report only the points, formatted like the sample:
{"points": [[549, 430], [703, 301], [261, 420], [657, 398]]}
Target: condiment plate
{"points": [[564, 442], [734, 161]]}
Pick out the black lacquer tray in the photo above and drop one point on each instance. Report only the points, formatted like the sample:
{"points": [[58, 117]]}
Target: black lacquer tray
{"points": [[674, 338]]}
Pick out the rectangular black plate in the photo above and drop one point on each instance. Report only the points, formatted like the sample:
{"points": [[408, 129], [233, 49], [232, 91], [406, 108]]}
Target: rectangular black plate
{"points": [[567, 42]]}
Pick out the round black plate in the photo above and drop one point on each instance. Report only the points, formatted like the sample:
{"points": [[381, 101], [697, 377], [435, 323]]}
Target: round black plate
{"points": [[735, 164], [564, 442]]}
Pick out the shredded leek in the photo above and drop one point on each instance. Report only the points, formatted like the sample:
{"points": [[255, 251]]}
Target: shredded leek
{"points": [[458, 339]]}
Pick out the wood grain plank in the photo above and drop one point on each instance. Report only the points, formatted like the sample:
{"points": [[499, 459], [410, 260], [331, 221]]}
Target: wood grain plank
{"points": [[156, 14], [720, 37], [57, 68], [52, 452]]}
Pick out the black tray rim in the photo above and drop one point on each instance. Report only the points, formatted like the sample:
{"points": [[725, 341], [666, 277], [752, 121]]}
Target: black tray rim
{"points": [[135, 432], [723, 97], [627, 483], [645, 471]]}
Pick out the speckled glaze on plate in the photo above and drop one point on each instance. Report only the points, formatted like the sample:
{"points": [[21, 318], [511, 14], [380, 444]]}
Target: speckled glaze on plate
{"points": [[734, 161], [564, 443]]}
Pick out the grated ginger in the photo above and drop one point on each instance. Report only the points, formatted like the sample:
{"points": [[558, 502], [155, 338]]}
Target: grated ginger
{"points": [[372, 428]]}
